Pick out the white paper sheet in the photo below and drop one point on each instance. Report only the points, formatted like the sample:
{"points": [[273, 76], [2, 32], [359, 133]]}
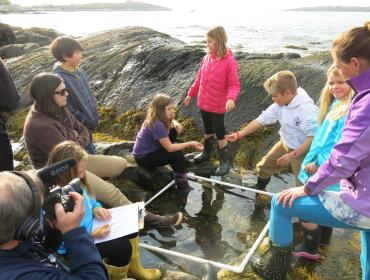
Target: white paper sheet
{"points": [[125, 220]]}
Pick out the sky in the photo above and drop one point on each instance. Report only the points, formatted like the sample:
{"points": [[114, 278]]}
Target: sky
{"points": [[215, 4]]}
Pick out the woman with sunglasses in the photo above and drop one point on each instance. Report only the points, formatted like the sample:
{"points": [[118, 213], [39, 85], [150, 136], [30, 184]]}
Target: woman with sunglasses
{"points": [[49, 123]]}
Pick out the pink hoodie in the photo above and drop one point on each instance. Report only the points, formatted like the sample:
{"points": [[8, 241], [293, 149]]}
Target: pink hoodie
{"points": [[217, 81]]}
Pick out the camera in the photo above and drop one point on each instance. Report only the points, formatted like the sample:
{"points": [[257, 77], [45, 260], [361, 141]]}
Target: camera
{"points": [[57, 194], [61, 195]]}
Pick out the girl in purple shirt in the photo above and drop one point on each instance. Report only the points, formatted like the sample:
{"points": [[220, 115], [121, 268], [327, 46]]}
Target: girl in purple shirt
{"points": [[155, 143]]}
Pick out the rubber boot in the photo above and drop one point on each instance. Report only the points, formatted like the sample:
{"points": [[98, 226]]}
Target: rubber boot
{"points": [[262, 183], [182, 183], [115, 272], [153, 220], [207, 151], [309, 249], [136, 270], [326, 233], [274, 263], [224, 157]]}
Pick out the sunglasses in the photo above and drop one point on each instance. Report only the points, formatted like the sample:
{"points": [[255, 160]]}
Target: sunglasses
{"points": [[62, 92]]}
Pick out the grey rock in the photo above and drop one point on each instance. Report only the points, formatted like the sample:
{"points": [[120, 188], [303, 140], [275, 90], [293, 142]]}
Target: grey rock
{"points": [[14, 50]]}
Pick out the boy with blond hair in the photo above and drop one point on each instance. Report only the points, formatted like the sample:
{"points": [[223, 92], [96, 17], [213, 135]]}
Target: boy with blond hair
{"points": [[297, 115]]}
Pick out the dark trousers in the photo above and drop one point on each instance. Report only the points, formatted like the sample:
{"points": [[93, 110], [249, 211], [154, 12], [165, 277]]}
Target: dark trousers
{"points": [[162, 157], [214, 123], [6, 153], [118, 251], [90, 149]]}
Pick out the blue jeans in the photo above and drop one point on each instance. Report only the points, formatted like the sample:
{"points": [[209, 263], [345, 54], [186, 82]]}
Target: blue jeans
{"points": [[310, 208]]}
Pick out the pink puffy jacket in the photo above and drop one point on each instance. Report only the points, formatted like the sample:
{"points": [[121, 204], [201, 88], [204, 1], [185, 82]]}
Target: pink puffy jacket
{"points": [[217, 81]]}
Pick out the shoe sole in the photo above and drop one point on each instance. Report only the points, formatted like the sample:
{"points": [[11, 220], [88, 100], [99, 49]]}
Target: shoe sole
{"points": [[179, 219], [306, 255]]}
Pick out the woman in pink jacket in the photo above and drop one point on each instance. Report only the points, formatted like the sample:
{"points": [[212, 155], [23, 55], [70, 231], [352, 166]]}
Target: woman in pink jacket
{"points": [[217, 87]]}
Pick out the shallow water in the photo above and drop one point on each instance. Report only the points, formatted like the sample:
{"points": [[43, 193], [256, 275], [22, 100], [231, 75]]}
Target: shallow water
{"points": [[216, 226], [222, 223]]}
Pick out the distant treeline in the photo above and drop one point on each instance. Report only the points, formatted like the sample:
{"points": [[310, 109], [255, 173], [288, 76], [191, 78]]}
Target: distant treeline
{"points": [[132, 6], [331, 9]]}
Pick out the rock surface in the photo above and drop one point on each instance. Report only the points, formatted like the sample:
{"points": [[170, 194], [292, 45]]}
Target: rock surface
{"points": [[126, 67]]}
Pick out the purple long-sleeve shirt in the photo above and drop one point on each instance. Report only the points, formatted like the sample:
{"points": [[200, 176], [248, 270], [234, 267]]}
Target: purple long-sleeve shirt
{"points": [[350, 157]]}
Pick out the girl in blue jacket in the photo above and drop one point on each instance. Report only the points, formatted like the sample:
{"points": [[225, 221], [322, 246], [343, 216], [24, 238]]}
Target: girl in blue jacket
{"points": [[120, 257], [335, 99]]}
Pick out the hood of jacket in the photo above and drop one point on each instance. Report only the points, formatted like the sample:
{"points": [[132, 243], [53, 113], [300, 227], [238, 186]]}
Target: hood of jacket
{"points": [[301, 97]]}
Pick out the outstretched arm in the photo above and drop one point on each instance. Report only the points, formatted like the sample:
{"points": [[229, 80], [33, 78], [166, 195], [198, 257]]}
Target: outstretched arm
{"points": [[249, 129]]}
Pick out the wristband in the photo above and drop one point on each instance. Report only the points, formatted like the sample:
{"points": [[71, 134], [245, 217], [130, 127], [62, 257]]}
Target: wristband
{"points": [[238, 135]]}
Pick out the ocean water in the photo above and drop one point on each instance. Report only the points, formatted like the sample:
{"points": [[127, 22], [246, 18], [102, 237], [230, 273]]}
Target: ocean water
{"points": [[264, 31]]}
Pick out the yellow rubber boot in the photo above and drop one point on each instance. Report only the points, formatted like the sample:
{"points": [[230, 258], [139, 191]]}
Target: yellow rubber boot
{"points": [[116, 272], [136, 270]]}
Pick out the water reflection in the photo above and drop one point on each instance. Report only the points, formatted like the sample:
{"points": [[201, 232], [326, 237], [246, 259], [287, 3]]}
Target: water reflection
{"points": [[207, 227], [221, 224]]}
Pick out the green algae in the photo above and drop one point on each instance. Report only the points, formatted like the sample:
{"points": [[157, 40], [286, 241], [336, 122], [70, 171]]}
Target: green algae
{"points": [[15, 123]]}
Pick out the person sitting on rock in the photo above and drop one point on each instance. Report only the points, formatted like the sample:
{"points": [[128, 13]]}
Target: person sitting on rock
{"points": [[335, 100], [81, 103], [297, 115], [217, 87], [155, 142], [116, 253], [49, 122]]}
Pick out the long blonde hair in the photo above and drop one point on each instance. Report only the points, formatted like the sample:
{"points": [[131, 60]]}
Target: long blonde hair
{"points": [[157, 110], [66, 150], [326, 99], [218, 34]]}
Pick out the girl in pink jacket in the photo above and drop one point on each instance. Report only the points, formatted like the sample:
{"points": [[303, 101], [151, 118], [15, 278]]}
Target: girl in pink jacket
{"points": [[217, 88]]}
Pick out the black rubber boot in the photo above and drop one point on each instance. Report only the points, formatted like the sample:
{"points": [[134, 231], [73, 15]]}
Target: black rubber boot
{"points": [[223, 155], [154, 221], [274, 263], [326, 233], [309, 249], [262, 183], [182, 183], [207, 151]]}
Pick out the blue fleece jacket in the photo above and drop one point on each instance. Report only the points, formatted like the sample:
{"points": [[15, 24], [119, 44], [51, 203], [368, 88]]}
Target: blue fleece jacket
{"points": [[83, 258], [80, 101], [90, 204], [328, 134]]}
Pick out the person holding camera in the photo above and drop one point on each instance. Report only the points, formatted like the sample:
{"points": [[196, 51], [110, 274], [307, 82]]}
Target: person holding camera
{"points": [[50, 120], [20, 219]]}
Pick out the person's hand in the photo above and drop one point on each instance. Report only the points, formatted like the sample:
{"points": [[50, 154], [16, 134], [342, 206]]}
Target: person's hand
{"points": [[233, 137], [101, 213], [101, 232], [284, 160], [197, 146], [70, 220], [177, 126], [289, 195], [311, 168], [230, 105], [187, 100]]}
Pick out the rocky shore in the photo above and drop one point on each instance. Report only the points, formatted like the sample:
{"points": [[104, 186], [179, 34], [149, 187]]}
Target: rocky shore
{"points": [[126, 67]]}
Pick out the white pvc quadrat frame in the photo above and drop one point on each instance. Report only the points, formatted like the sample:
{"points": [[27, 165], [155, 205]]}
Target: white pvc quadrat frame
{"points": [[236, 269]]}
